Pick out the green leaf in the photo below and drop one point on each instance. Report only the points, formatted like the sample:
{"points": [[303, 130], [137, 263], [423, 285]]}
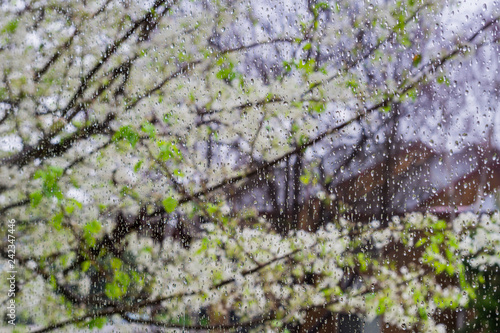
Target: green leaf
{"points": [[322, 5], [119, 286], [401, 23], [85, 265], [90, 229], [226, 74], [438, 238], [3, 93], [72, 204], [352, 84], [150, 129], [362, 262], [383, 304], [11, 26], [56, 221], [116, 264], [443, 79], [128, 134], [217, 277], [307, 66], [76, 203], [440, 225], [422, 313], [305, 178], [97, 323], [287, 66], [421, 242], [168, 150], [93, 227], [211, 208], [405, 40], [412, 93], [36, 198], [302, 140], [434, 248], [450, 270], [178, 173], [440, 267], [113, 291], [166, 118], [137, 166], [50, 176], [452, 241], [123, 280], [226, 71], [318, 107], [204, 245], [170, 204], [127, 191], [417, 59], [53, 282]]}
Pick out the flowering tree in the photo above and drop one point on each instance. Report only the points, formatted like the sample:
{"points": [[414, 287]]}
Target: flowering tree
{"points": [[128, 127]]}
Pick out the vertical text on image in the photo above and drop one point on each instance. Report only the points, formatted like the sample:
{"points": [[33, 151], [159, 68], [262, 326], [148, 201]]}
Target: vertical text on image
{"points": [[11, 271]]}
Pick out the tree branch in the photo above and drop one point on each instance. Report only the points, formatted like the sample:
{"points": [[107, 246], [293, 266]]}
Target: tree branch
{"points": [[110, 51]]}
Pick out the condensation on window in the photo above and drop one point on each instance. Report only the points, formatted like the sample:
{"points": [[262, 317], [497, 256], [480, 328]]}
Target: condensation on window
{"points": [[249, 166]]}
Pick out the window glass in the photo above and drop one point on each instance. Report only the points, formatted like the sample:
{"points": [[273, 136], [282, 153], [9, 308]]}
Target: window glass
{"points": [[249, 166]]}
